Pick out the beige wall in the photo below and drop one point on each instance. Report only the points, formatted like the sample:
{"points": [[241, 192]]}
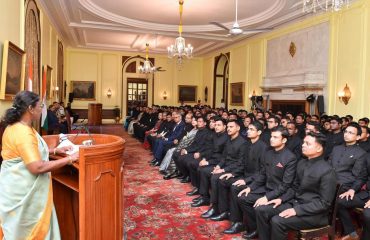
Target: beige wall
{"points": [[349, 60], [12, 29], [11, 13], [105, 68]]}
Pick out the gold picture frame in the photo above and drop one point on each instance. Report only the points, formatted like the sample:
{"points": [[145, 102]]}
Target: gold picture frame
{"points": [[49, 90], [187, 93], [237, 94], [13, 71], [84, 90]]}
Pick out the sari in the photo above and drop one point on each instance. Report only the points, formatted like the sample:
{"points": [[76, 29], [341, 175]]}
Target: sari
{"points": [[26, 200]]}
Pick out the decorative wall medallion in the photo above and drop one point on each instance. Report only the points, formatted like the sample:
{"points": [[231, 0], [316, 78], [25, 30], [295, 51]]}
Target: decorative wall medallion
{"points": [[292, 49]]}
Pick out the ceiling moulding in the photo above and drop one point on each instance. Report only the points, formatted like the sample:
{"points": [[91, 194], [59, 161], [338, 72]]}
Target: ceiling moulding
{"points": [[134, 30], [51, 17], [98, 11]]}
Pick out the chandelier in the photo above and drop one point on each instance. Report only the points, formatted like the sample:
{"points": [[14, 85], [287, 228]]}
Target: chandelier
{"points": [[335, 5], [180, 49], [147, 66]]}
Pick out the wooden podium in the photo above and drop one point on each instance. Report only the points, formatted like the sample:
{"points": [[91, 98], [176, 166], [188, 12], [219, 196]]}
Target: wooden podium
{"points": [[95, 113], [88, 194]]}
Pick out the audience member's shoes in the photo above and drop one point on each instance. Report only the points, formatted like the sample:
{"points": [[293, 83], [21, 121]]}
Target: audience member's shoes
{"points": [[201, 202], [185, 179], [163, 172], [236, 227], [196, 199], [221, 216], [169, 176], [193, 192], [249, 236], [180, 176], [156, 164], [210, 213], [153, 160], [349, 237]]}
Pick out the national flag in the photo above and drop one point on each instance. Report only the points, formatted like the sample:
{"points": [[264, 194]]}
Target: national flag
{"points": [[30, 75], [44, 119]]}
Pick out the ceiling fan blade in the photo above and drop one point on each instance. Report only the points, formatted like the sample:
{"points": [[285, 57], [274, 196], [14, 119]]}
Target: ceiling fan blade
{"points": [[256, 30], [219, 25]]}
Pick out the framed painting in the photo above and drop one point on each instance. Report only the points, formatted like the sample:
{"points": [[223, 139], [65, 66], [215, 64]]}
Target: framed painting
{"points": [[237, 94], [84, 90], [187, 93], [12, 74], [49, 91]]}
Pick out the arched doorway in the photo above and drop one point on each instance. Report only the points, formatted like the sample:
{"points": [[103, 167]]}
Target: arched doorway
{"points": [[137, 88], [32, 44], [221, 80]]}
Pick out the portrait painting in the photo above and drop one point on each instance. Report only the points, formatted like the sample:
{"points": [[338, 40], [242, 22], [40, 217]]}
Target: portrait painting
{"points": [[187, 93], [48, 81], [237, 94], [84, 90], [12, 74]]}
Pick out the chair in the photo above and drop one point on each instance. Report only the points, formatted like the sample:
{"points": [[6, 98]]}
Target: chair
{"points": [[326, 230]]}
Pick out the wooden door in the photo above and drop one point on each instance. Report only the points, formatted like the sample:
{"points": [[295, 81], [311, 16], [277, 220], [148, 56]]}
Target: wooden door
{"points": [[137, 92]]}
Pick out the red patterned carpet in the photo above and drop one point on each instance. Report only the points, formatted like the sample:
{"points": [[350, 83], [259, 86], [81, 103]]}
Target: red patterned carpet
{"points": [[159, 209]]}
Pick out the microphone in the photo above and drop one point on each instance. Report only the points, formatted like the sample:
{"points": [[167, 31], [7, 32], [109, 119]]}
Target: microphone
{"points": [[92, 141]]}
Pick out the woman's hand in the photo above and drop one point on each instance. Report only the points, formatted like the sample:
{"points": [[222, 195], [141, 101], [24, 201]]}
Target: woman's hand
{"points": [[62, 150], [74, 157]]}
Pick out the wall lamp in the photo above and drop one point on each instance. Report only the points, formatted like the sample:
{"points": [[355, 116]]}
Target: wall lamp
{"points": [[109, 93], [164, 95], [344, 95]]}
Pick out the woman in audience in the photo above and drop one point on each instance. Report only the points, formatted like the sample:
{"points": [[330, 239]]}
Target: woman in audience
{"points": [[26, 198], [168, 166]]}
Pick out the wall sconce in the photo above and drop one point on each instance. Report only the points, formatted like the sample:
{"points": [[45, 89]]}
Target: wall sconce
{"points": [[56, 89], [252, 95], [164, 95], [109, 93], [344, 95]]}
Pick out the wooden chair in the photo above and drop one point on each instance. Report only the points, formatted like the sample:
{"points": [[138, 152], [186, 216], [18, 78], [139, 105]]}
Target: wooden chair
{"points": [[328, 230]]}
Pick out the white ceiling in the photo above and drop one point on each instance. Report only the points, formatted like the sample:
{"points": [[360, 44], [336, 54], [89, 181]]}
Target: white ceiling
{"points": [[126, 25]]}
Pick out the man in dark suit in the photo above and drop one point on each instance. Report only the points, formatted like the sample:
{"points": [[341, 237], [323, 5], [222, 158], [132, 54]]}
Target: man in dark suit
{"points": [[210, 161], [233, 182], [294, 142], [349, 163], [232, 158], [335, 136], [177, 130], [306, 204], [277, 175], [192, 154]]}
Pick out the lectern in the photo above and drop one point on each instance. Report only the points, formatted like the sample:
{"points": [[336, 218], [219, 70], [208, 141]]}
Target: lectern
{"points": [[88, 194], [95, 113]]}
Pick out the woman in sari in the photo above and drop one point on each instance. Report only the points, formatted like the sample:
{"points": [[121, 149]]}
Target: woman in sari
{"points": [[26, 196]]}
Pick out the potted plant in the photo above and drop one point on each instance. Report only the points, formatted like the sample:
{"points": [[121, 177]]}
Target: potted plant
{"points": [[117, 113]]}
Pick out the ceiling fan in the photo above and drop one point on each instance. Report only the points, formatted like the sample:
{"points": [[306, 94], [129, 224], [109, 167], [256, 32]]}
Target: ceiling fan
{"points": [[159, 69], [236, 30]]}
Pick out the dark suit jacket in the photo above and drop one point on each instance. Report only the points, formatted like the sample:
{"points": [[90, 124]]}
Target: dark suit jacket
{"points": [[313, 190], [294, 144], [218, 143], [176, 131], [349, 165], [253, 160], [232, 157], [277, 173], [200, 143]]}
